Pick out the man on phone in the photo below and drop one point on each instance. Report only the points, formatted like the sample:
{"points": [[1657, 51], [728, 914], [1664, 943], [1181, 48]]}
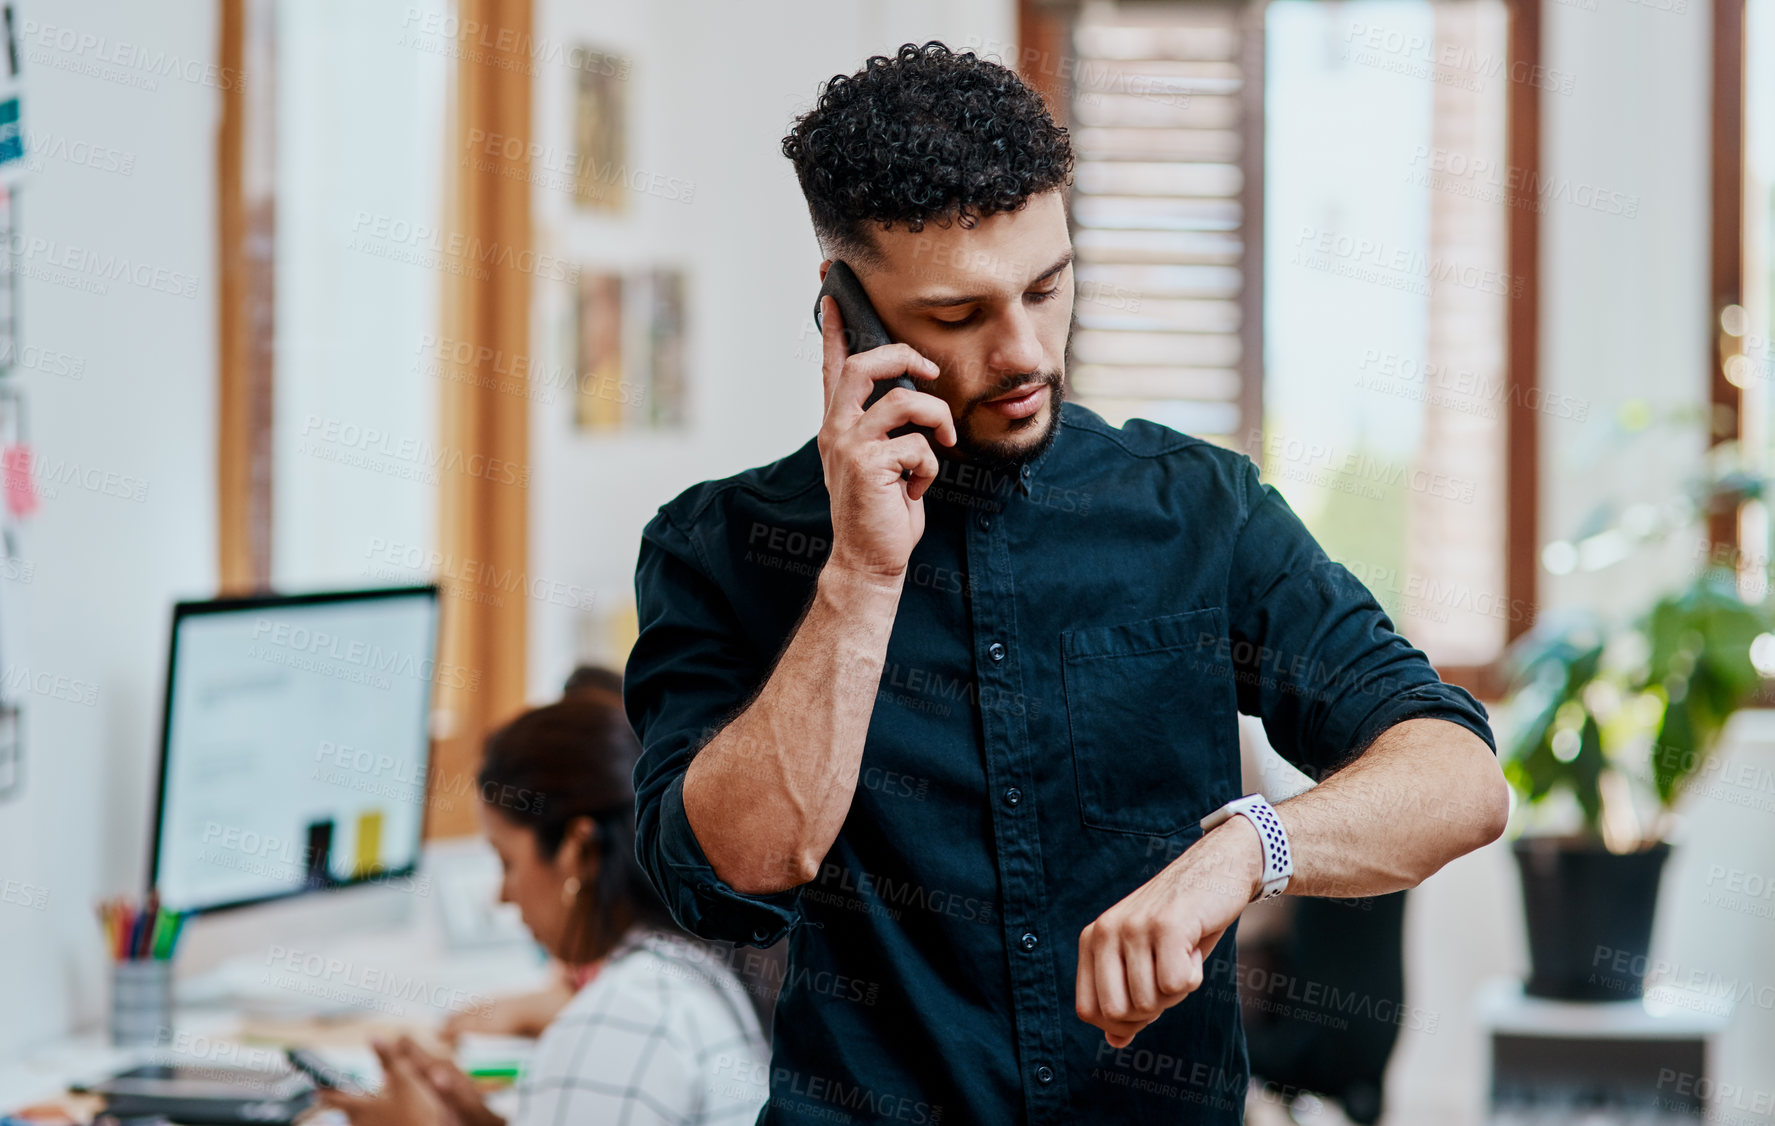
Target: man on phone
{"points": [[957, 715]]}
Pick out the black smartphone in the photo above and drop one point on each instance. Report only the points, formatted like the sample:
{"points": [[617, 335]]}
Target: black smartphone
{"points": [[863, 331], [322, 1073]]}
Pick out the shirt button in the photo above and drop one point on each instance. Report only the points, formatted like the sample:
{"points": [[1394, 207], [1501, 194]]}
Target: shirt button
{"points": [[1027, 941], [984, 521], [1013, 796], [996, 651], [1044, 1074], [1025, 472]]}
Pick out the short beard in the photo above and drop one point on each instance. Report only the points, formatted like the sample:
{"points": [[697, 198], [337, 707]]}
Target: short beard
{"points": [[1010, 455]]}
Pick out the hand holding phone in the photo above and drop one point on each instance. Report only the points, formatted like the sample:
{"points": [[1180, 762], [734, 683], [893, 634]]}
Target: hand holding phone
{"points": [[878, 451], [863, 332]]}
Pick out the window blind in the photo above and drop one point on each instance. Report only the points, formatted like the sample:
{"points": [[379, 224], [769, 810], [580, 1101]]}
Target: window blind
{"points": [[1166, 140]]}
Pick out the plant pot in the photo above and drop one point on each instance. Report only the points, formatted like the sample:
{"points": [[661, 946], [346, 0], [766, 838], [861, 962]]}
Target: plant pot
{"points": [[1589, 914]]}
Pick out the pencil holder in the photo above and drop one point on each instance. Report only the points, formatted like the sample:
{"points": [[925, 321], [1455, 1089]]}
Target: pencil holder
{"points": [[141, 1001]]}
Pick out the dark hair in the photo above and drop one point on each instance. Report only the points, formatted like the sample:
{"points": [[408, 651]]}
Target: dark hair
{"points": [[553, 765], [593, 677], [926, 135]]}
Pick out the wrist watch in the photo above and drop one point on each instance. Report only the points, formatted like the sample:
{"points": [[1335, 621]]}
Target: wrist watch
{"points": [[1278, 867]]}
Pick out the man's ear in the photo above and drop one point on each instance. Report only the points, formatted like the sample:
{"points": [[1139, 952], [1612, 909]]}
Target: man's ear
{"points": [[824, 266]]}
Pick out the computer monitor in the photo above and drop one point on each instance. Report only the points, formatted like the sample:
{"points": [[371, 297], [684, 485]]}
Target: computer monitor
{"points": [[295, 745]]}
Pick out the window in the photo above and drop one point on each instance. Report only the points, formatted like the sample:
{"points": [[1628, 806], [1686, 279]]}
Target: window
{"points": [[359, 144], [1293, 223], [387, 274], [1384, 303]]}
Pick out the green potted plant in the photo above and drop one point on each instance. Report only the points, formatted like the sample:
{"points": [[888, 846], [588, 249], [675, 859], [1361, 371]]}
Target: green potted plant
{"points": [[1606, 728], [1607, 720]]}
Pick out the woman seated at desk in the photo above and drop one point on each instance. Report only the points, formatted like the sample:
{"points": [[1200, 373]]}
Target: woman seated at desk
{"points": [[659, 1031]]}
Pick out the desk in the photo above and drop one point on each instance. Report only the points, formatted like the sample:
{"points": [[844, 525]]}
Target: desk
{"points": [[331, 997]]}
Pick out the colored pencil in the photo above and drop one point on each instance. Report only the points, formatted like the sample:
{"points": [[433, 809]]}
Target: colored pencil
{"points": [[150, 920], [135, 933]]}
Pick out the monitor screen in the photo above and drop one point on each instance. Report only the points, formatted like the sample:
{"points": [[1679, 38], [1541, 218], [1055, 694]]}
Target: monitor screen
{"points": [[295, 745]]}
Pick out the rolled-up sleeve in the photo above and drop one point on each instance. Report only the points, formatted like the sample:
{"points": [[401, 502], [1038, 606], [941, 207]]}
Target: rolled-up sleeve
{"points": [[1314, 654], [690, 672]]}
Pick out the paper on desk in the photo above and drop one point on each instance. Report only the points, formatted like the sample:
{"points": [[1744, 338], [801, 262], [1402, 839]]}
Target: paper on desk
{"points": [[482, 1050]]}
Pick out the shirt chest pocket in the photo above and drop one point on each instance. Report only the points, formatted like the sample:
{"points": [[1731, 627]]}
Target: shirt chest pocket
{"points": [[1152, 715]]}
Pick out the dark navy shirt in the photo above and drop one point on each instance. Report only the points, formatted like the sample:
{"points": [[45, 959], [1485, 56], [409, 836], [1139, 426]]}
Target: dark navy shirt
{"points": [[1056, 715]]}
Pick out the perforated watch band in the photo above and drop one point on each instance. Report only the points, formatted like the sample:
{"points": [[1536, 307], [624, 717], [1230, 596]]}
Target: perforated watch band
{"points": [[1278, 867]]}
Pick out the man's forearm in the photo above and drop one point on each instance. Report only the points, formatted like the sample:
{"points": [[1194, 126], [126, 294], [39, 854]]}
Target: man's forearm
{"points": [[1425, 792], [1422, 794], [767, 796]]}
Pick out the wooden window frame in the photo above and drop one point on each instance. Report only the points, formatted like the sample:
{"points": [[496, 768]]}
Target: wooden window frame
{"points": [[481, 517], [1522, 347], [1726, 252], [246, 146]]}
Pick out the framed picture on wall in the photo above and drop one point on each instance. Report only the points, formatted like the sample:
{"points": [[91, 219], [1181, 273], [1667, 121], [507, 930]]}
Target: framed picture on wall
{"points": [[628, 350], [600, 140], [597, 360]]}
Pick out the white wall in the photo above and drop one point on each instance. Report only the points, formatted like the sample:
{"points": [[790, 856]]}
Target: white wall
{"points": [[743, 241], [103, 570]]}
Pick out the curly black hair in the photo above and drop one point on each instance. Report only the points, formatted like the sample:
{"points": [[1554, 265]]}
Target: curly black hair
{"points": [[929, 135]]}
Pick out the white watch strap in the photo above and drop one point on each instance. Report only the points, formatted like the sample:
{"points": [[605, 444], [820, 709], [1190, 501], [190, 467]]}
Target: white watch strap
{"points": [[1278, 867]]}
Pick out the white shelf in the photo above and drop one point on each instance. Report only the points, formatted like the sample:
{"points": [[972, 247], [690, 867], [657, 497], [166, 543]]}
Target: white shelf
{"points": [[1666, 1013]]}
